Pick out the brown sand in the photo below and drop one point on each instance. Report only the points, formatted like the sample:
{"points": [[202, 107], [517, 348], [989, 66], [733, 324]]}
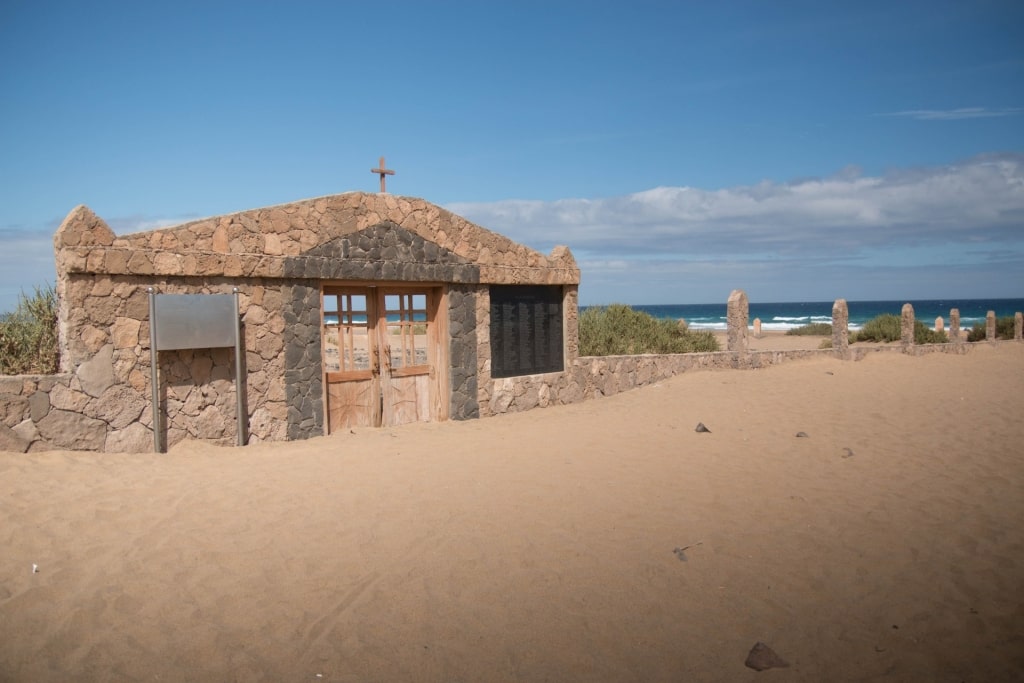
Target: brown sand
{"points": [[541, 546], [774, 340]]}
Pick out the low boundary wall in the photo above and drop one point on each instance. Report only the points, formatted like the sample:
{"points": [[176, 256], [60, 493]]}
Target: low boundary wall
{"points": [[596, 376], [589, 377], [79, 412]]}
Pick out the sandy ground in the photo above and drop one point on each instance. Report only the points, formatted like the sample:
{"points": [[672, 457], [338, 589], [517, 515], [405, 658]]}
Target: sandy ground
{"points": [[778, 341], [772, 340], [605, 541]]}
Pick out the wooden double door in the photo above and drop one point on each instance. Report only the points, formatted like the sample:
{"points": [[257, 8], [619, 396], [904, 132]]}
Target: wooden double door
{"points": [[381, 352]]}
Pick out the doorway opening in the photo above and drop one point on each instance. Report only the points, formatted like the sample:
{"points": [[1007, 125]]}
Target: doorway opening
{"points": [[381, 354]]}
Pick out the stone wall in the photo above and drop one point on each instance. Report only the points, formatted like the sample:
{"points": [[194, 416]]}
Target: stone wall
{"points": [[483, 351], [302, 366], [571, 322], [37, 413], [329, 237], [282, 364], [737, 313], [494, 394], [110, 358], [595, 376], [463, 350], [84, 410], [592, 377], [278, 258]]}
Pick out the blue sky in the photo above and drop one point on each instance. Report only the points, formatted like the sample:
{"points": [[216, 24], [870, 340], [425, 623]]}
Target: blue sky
{"points": [[797, 150]]}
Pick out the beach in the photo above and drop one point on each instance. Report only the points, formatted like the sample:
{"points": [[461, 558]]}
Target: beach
{"points": [[780, 341], [863, 519]]}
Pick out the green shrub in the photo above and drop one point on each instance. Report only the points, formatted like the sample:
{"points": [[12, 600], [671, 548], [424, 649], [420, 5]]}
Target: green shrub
{"points": [[884, 328], [812, 329], [927, 335], [1004, 330], [887, 328], [618, 330], [28, 336]]}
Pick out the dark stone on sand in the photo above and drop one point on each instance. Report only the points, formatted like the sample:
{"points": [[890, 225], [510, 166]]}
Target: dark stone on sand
{"points": [[681, 552], [801, 435], [702, 429], [762, 657], [847, 452]]}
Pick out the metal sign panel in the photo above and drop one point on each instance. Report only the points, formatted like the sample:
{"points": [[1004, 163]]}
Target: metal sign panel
{"points": [[526, 330], [195, 321]]}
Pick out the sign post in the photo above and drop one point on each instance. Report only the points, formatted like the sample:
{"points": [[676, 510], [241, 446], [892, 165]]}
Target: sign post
{"points": [[194, 321]]}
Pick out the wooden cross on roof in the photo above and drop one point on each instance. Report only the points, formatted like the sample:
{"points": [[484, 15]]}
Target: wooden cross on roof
{"points": [[382, 171]]}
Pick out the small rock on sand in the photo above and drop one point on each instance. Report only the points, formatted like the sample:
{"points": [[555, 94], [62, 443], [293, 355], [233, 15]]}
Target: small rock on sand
{"points": [[762, 657]]}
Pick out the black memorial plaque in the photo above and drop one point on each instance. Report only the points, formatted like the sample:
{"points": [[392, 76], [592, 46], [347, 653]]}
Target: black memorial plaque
{"points": [[526, 330]]}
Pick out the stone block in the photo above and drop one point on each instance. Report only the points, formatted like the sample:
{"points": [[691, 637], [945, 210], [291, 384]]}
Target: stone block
{"points": [[167, 263], [201, 367], [39, 405], [272, 245], [907, 325], [97, 375], [119, 406], [140, 263], [117, 261], [737, 315], [194, 404], [73, 431], [14, 409], [102, 287], [27, 430], [125, 333], [841, 328], [135, 438], [211, 424], [221, 242], [83, 227], [138, 380], [954, 326], [93, 338], [261, 423], [11, 441], [276, 390], [11, 386], [65, 398], [102, 310], [136, 305]]}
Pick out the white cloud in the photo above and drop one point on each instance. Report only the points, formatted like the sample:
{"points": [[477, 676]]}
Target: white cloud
{"points": [[954, 114], [979, 200], [808, 239], [859, 237]]}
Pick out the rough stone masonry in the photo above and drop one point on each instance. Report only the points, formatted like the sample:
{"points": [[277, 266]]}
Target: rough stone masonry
{"points": [[278, 258]]}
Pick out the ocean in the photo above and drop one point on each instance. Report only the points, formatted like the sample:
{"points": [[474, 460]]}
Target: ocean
{"points": [[787, 315]]}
